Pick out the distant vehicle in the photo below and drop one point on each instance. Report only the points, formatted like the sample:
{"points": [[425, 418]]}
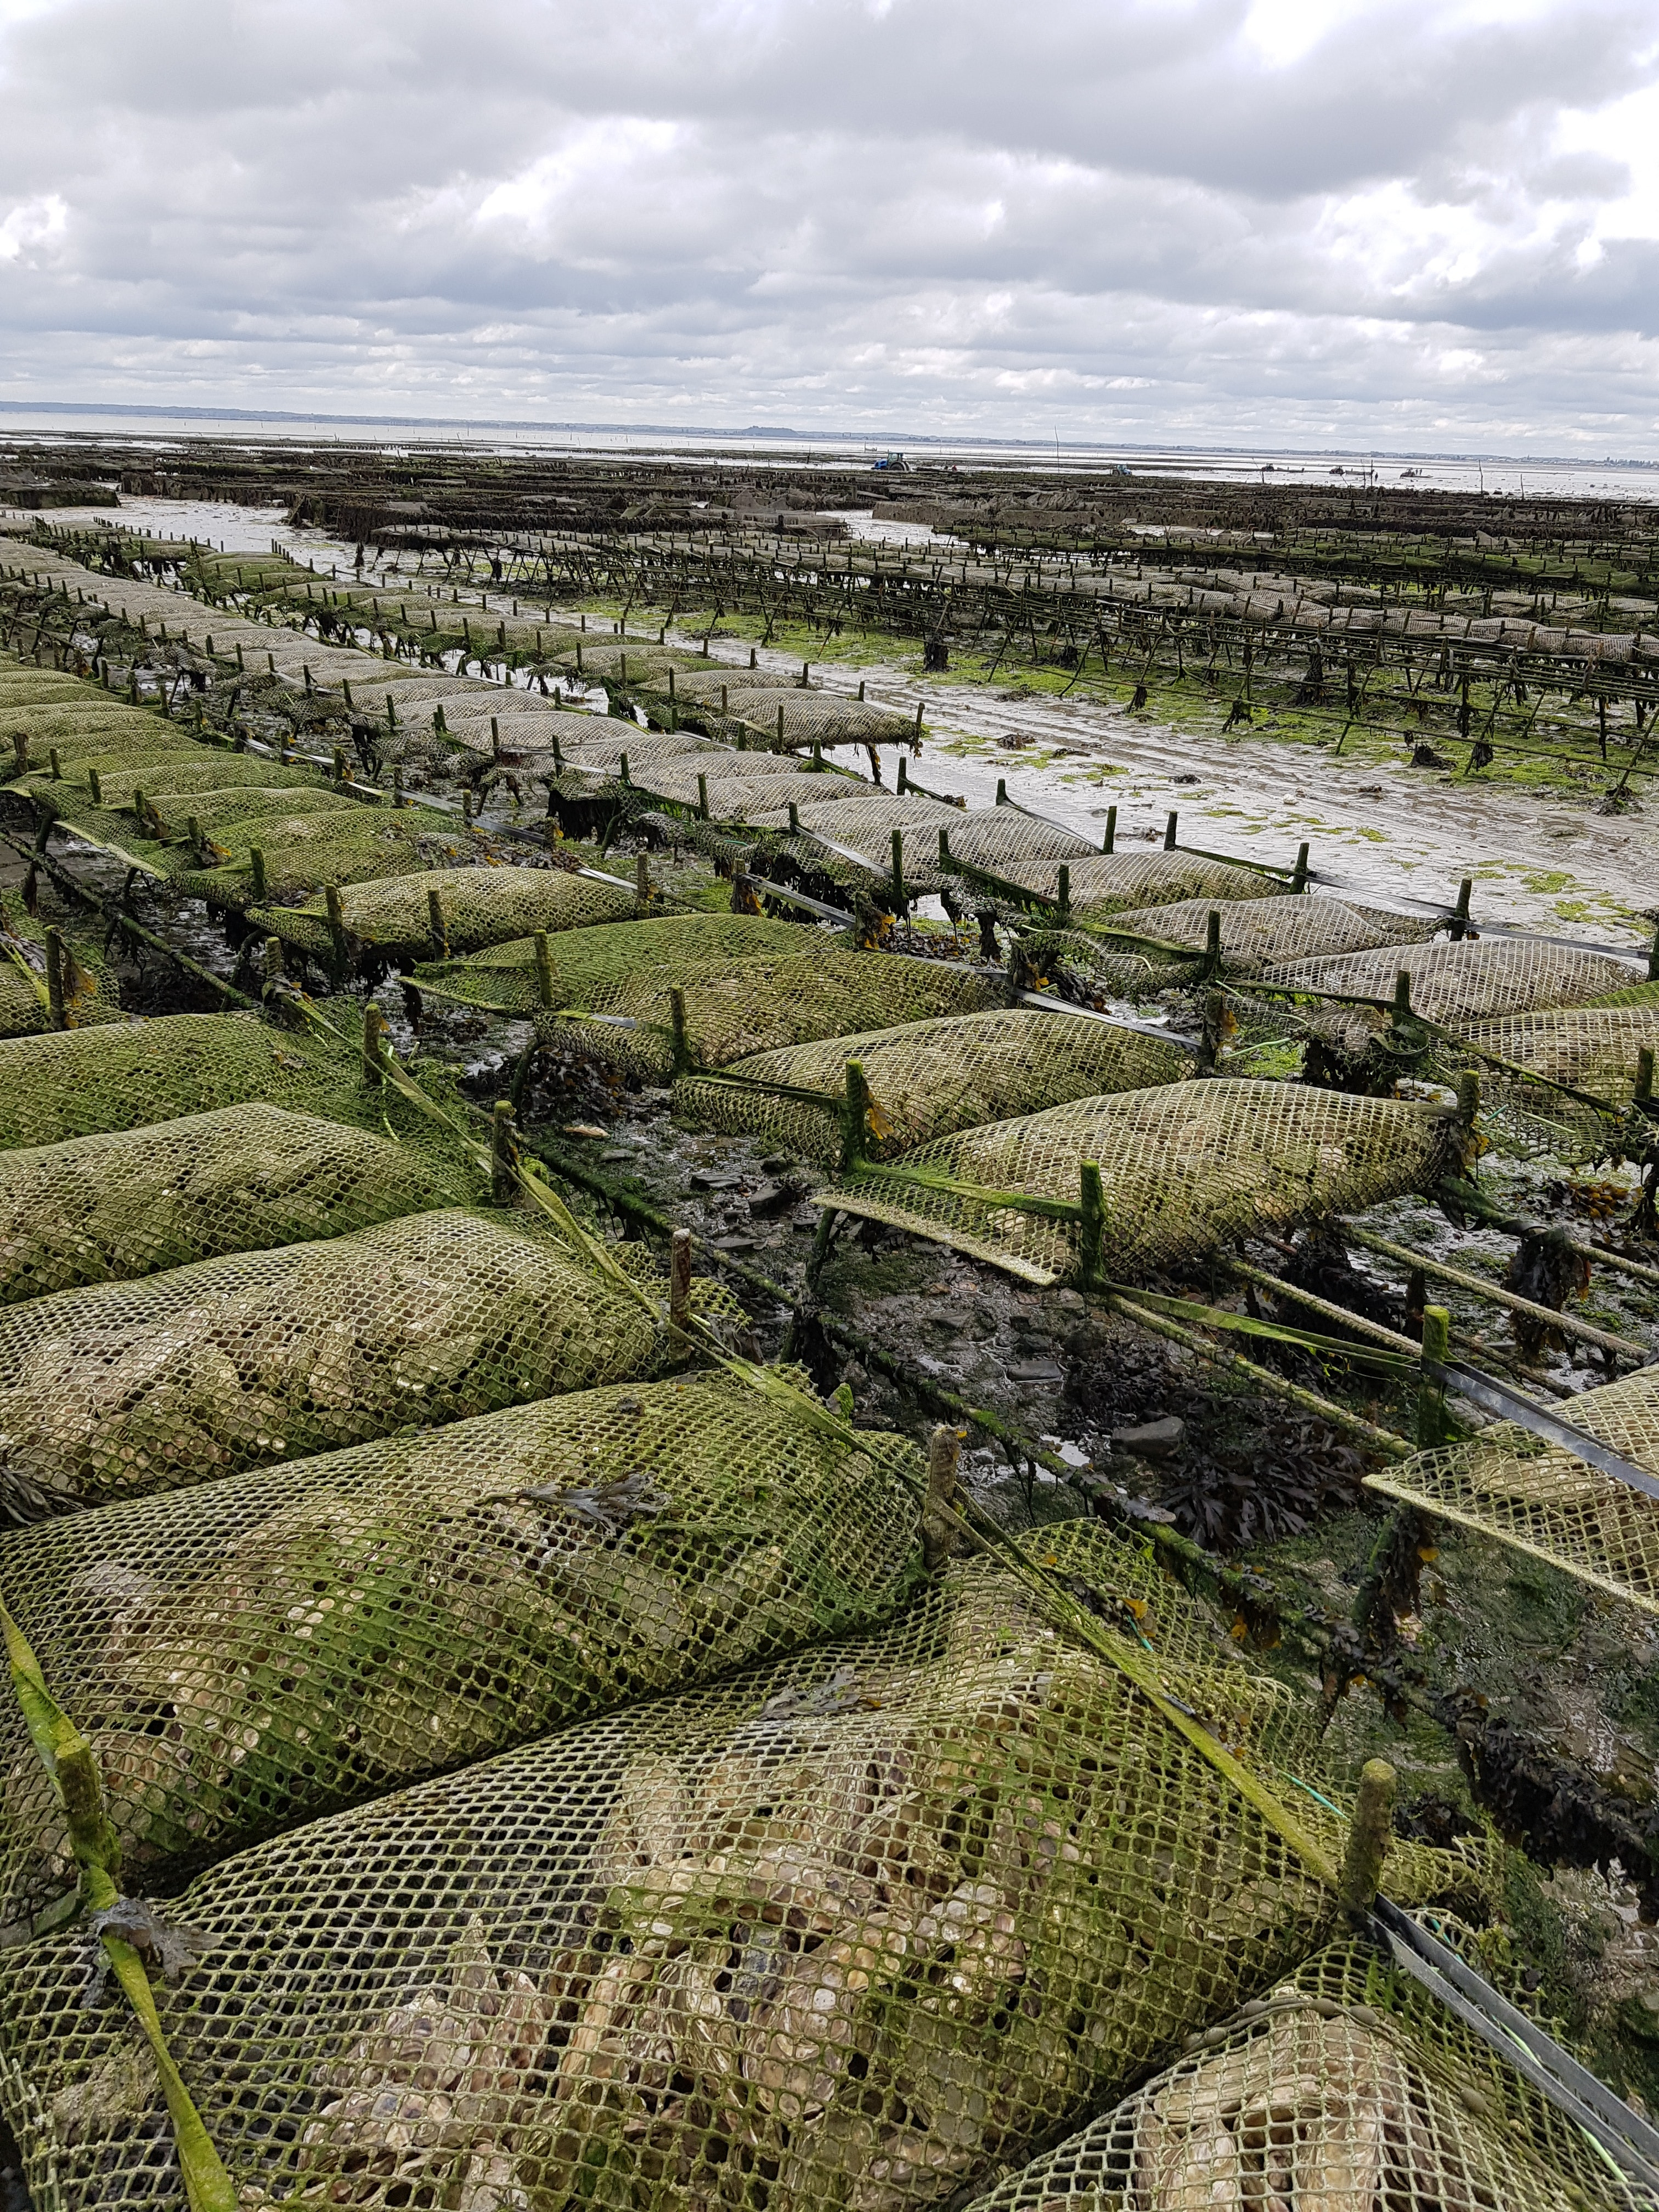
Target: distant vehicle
{"points": [[894, 461]]}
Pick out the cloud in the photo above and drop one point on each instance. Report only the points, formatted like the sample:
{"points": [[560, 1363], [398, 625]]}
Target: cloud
{"points": [[1430, 222]]}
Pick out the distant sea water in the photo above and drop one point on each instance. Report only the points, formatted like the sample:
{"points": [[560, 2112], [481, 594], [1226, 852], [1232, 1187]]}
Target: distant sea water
{"points": [[1544, 477]]}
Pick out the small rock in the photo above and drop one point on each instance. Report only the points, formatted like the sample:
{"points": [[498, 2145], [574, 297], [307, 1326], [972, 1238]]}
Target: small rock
{"points": [[1070, 1301], [615, 1153], [770, 1199], [585, 1129], [805, 1221], [777, 1164], [735, 1243], [1159, 1439], [1036, 1370], [709, 1179]]}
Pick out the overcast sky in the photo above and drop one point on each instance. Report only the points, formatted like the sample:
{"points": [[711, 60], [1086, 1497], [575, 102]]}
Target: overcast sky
{"points": [[1412, 223]]}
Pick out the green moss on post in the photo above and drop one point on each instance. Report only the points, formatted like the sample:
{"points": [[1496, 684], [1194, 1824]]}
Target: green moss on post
{"points": [[1369, 1834], [1430, 1395], [1091, 1235], [55, 1013], [544, 967], [374, 1046]]}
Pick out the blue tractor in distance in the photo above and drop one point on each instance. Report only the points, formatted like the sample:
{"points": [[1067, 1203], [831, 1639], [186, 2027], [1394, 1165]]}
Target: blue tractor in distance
{"points": [[893, 463]]}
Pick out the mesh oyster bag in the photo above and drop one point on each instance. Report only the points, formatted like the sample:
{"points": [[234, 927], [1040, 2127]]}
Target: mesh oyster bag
{"points": [[587, 967], [1103, 883], [1257, 932], [91, 992], [299, 853], [476, 907], [1467, 980], [81, 1083], [279, 1646], [1594, 1048], [734, 1011], [1536, 1495], [1183, 1170], [839, 1932], [1348, 2089], [926, 1079], [111, 1208], [257, 1357]]}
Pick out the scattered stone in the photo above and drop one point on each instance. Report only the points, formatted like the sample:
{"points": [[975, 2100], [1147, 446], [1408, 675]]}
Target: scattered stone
{"points": [[769, 1200], [709, 1179], [736, 1244], [1038, 1370], [1159, 1439]]}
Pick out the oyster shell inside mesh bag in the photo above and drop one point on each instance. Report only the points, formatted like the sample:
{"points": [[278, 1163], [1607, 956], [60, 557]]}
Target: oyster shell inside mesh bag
{"points": [[1184, 1169], [288, 1641], [841, 1931], [110, 1208], [1348, 2089], [261, 1356]]}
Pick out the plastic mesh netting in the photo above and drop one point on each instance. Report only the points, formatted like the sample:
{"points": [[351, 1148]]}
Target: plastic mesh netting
{"points": [[782, 715], [129, 1387], [926, 1079], [281, 1644], [1000, 837], [301, 853], [1465, 981], [1256, 933], [734, 1010], [1592, 1048], [1348, 2089], [1183, 1169], [587, 967], [110, 1208], [90, 991], [477, 907], [1103, 883], [841, 1932], [1536, 1496], [84, 1082]]}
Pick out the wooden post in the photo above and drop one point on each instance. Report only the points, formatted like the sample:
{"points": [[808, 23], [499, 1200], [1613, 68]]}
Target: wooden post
{"points": [[337, 936], [436, 927], [398, 799], [374, 1045], [1653, 959], [1002, 791], [56, 1016], [57, 772], [1643, 1090], [676, 1025], [544, 969], [1437, 1340], [1111, 830], [503, 1180], [1170, 833], [1468, 1096], [780, 744], [1369, 1837], [1092, 1232], [1299, 873], [855, 1117], [679, 1279], [94, 786], [642, 880], [1062, 887], [256, 859], [1402, 993], [794, 819], [702, 797], [938, 1527], [275, 970], [1212, 943], [945, 848], [1459, 920]]}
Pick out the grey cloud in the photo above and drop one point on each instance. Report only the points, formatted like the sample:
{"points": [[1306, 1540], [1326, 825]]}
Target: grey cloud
{"points": [[815, 210]]}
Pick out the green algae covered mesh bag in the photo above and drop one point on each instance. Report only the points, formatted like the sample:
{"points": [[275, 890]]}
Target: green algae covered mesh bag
{"points": [[925, 1079], [265, 1356], [1348, 2089], [586, 967], [299, 853], [734, 1011], [1465, 981], [284, 1644], [1592, 1048], [84, 1082], [844, 1930], [111, 1208], [1256, 933], [476, 907], [1105, 883], [1536, 1496], [1183, 1170], [90, 990]]}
